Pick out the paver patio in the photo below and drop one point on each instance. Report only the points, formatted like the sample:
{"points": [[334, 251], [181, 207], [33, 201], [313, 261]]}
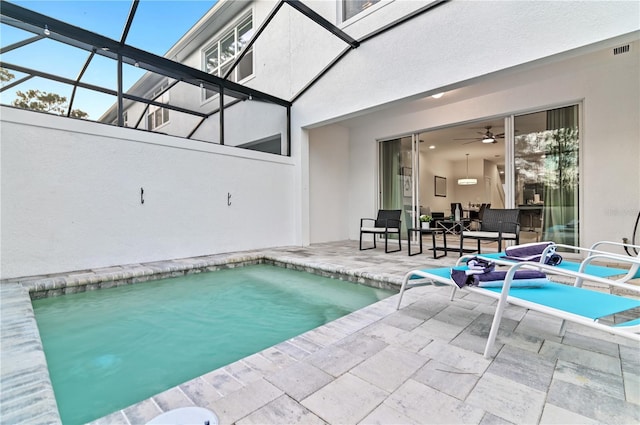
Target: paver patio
{"points": [[421, 364]]}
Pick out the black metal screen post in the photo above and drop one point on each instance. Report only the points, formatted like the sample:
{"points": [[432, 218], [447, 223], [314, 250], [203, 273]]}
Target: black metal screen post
{"points": [[288, 131], [156, 97], [318, 19], [253, 39], [21, 44], [15, 83], [221, 115], [120, 101], [127, 26], [33, 22], [75, 86]]}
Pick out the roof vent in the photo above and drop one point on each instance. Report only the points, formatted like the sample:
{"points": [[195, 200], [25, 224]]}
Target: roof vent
{"points": [[622, 49]]}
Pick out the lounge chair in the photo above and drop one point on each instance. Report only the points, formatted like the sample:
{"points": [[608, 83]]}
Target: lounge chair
{"points": [[569, 303], [595, 253]]}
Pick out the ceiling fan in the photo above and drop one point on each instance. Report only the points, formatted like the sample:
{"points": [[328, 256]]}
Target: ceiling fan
{"points": [[486, 137]]}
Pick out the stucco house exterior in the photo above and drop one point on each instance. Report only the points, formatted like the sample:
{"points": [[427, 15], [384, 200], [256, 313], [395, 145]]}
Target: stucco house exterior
{"points": [[313, 171]]}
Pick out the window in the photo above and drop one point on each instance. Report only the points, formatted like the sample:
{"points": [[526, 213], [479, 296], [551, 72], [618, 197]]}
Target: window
{"points": [[351, 8], [158, 116], [271, 144], [219, 57]]}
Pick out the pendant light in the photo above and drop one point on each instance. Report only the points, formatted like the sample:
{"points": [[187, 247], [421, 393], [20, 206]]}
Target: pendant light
{"points": [[467, 181]]}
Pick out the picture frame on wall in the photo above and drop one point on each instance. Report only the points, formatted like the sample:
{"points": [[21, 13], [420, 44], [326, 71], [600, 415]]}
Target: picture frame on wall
{"points": [[406, 186], [440, 186], [406, 181]]}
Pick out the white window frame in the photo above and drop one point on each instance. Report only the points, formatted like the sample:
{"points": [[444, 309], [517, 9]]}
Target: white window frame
{"points": [[156, 111], [219, 69], [373, 5]]}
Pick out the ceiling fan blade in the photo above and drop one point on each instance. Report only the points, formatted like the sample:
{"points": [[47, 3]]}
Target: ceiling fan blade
{"points": [[473, 141]]}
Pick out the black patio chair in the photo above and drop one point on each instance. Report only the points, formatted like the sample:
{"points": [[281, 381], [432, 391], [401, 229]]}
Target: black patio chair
{"points": [[386, 223], [496, 225]]}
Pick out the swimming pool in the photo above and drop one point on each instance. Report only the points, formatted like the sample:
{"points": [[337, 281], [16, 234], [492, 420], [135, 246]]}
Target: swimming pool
{"points": [[111, 348]]}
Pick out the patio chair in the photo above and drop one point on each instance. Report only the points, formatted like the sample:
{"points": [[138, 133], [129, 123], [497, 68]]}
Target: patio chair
{"points": [[387, 223], [496, 225], [590, 308], [477, 219]]}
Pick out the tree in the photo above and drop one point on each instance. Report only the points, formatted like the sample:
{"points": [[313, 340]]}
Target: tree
{"points": [[37, 100], [5, 75]]}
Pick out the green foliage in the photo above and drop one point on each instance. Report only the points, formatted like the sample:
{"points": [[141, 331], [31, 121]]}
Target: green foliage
{"points": [[42, 101], [37, 100], [5, 75]]}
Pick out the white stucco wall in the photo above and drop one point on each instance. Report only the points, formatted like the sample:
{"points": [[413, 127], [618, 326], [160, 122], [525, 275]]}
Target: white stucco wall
{"points": [[71, 196], [607, 86], [329, 173], [70, 190], [445, 48]]}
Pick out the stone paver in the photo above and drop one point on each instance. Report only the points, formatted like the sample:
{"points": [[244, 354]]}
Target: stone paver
{"points": [[523, 366], [346, 400], [554, 415], [389, 368], [604, 383], [26, 393], [282, 410], [300, 380], [245, 401], [511, 400], [422, 364], [426, 405], [592, 404], [447, 379]]}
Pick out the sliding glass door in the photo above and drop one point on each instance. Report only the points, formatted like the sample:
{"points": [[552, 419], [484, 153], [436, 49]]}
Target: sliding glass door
{"points": [[398, 169], [546, 173], [540, 152]]}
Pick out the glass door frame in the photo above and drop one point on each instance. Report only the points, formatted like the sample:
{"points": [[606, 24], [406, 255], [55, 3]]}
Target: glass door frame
{"points": [[509, 168], [409, 173], [510, 162]]}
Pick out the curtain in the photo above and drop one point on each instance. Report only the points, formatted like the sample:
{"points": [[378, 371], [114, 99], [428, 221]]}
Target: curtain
{"points": [[392, 177], [561, 176]]}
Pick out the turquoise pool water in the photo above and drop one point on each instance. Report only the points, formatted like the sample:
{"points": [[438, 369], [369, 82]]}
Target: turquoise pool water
{"points": [[111, 348]]}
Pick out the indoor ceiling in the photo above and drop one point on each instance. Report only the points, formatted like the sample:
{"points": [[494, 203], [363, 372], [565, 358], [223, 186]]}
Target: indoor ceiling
{"points": [[453, 143]]}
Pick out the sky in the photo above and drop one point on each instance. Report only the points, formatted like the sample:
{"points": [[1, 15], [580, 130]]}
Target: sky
{"points": [[157, 26]]}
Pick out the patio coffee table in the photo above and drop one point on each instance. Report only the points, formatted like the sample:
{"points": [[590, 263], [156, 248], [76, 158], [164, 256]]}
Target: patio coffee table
{"points": [[432, 231]]}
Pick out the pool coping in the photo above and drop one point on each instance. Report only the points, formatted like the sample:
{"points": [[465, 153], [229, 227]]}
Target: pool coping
{"points": [[25, 385]]}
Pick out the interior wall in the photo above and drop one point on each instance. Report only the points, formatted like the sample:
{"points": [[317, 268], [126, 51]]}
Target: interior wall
{"points": [[607, 86], [431, 166], [471, 193], [71, 196], [493, 189]]}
